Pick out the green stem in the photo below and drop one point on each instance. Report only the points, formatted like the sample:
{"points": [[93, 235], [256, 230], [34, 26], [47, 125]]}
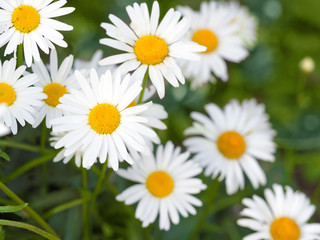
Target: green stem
{"points": [[43, 140], [144, 84], [28, 227], [63, 207], [29, 165], [23, 146], [20, 55], [85, 213], [97, 189], [212, 193], [28, 209]]}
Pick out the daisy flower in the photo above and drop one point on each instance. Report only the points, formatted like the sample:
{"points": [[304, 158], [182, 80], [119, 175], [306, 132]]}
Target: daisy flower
{"points": [[84, 65], [55, 83], [230, 141], [55, 137], [166, 184], [18, 94], [4, 130], [214, 28], [30, 23], [247, 22], [282, 216], [98, 120], [155, 114], [150, 46]]}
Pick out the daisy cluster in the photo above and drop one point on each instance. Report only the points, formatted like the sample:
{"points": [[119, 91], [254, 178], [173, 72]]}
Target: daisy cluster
{"points": [[100, 111]]}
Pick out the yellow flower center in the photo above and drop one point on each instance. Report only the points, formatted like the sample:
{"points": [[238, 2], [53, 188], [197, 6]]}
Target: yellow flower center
{"points": [[284, 228], [151, 50], [160, 184], [7, 94], [54, 92], [207, 38], [231, 144], [25, 18], [104, 118]]}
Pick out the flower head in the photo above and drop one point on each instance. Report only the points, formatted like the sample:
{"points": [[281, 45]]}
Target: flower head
{"points": [[165, 185], [98, 122], [214, 28], [150, 45], [230, 141], [55, 83], [30, 23], [282, 216], [18, 95]]}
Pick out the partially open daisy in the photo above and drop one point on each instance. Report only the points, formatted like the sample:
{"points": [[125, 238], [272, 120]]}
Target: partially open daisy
{"points": [[55, 83], [98, 121], [4, 130], [30, 23], [149, 45], [166, 183], [282, 216], [18, 94], [230, 141], [247, 22], [212, 27]]}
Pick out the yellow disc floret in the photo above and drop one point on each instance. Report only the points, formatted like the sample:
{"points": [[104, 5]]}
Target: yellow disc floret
{"points": [[54, 91], [104, 118], [160, 184], [284, 228], [207, 38], [7, 94], [151, 50], [231, 144], [25, 18]]}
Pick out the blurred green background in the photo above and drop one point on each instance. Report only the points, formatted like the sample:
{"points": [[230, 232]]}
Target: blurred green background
{"points": [[288, 31]]}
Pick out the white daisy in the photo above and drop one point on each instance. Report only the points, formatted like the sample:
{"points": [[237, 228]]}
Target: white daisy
{"points": [[247, 22], [60, 156], [4, 130], [230, 141], [150, 46], [213, 27], [84, 65], [55, 83], [30, 23], [99, 122], [166, 183], [282, 216], [18, 94]]}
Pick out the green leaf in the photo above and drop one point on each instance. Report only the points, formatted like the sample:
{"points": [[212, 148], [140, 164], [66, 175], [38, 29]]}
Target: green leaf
{"points": [[4, 156], [6, 209]]}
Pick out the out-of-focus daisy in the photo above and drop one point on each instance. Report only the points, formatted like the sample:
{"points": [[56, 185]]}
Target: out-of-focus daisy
{"points": [[55, 83], [214, 28], [166, 183], [30, 23], [282, 216], [4, 130], [18, 94], [155, 114], [247, 22], [99, 122], [230, 141], [55, 137], [84, 65], [150, 46]]}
